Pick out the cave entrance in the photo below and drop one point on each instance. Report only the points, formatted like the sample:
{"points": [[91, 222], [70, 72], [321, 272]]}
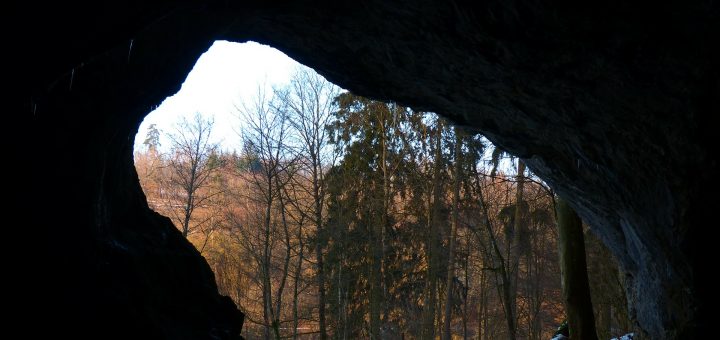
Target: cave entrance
{"points": [[255, 149], [611, 105]]}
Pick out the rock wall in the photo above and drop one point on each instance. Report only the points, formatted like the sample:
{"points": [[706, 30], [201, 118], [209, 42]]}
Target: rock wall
{"points": [[609, 102]]}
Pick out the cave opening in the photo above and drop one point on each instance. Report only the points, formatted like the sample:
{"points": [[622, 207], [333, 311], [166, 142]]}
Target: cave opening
{"points": [[612, 107], [203, 154]]}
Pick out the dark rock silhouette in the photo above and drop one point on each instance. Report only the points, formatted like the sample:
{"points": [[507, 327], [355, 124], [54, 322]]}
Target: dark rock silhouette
{"points": [[609, 102]]}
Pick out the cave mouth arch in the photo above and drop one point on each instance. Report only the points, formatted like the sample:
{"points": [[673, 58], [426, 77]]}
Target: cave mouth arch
{"points": [[153, 157], [577, 87]]}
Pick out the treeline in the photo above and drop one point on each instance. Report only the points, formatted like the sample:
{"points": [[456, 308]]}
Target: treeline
{"points": [[343, 217]]}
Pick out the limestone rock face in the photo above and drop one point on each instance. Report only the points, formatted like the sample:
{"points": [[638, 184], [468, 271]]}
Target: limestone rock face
{"points": [[609, 103]]}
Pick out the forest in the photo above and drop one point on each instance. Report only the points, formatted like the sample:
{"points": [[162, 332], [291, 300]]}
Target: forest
{"points": [[337, 216]]}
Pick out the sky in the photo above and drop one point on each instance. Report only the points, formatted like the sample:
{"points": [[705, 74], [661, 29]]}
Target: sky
{"points": [[224, 76]]}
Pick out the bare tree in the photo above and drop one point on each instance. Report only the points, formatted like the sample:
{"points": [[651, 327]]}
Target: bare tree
{"points": [[265, 137], [309, 100], [191, 163], [498, 261]]}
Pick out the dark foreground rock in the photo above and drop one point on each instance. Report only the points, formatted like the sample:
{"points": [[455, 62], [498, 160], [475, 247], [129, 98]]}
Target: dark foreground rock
{"points": [[610, 103]]}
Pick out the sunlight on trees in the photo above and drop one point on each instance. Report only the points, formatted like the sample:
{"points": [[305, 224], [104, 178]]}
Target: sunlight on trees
{"points": [[344, 217]]}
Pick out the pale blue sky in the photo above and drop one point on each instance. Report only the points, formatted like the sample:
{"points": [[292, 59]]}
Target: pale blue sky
{"points": [[226, 74]]}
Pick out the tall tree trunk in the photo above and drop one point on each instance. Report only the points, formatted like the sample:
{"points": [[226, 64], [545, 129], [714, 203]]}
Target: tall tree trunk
{"points": [[286, 263], [506, 289], [319, 251], [188, 209], [519, 231], [375, 278], [189, 189], [298, 272], [504, 272], [483, 306], [377, 244], [451, 240], [266, 309], [345, 301], [466, 265], [267, 286], [536, 267], [339, 323], [432, 247], [576, 289], [266, 313], [534, 291]]}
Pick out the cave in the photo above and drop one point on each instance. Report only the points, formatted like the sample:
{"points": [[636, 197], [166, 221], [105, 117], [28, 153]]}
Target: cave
{"points": [[610, 103]]}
